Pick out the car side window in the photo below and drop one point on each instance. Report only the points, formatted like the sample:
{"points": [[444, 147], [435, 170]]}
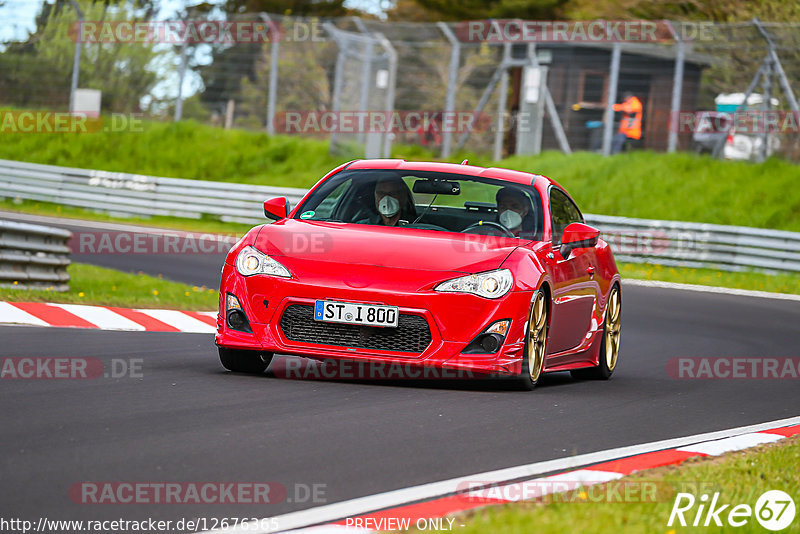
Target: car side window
{"points": [[563, 212]]}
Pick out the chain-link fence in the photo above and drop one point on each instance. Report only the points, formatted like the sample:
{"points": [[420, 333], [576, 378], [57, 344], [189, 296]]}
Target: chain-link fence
{"points": [[493, 87]]}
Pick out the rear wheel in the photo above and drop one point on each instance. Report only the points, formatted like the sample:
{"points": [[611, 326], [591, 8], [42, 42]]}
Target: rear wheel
{"points": [[535, 343], [244, 361], [609, 347]]}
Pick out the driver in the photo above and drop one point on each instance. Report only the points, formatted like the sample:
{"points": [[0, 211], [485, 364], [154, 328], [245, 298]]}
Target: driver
{"points": [[393, 201], [514, 211]]}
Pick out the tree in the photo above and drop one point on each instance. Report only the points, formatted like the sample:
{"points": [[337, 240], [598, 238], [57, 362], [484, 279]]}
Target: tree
{"points": [[485, 9], [121, 70], [710, 10], [319, 8]]}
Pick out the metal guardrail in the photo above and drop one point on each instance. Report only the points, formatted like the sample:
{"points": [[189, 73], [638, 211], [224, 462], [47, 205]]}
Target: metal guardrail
{"points": [[732, 248], [701, 245], [126, 194], [33, 256]]}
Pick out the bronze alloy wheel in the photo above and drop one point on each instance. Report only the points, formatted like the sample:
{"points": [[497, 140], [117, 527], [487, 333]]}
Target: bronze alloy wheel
{"points": [[537, 336], [612, 328]]}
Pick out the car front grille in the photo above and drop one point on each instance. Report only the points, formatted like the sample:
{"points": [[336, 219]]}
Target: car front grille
{"points": [[411, 335]]}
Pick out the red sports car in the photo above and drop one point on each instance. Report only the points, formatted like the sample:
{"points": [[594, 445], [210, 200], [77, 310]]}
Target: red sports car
{"points": [[427, 265]]}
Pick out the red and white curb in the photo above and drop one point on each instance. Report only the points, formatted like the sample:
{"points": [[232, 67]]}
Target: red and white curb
{"points": [[107, 318], [386, 511]]}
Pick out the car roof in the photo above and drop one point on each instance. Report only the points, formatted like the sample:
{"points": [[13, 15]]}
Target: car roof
{"points": [[508, 175]]}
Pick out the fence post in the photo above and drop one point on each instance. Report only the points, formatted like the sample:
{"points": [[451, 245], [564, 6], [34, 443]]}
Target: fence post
{"points": [[611, 99], [502, 99], [366, 71], [274, 55], [181, 76], [337, 76], [452, 83], [677, 90], [392, 55], [763, 151]]}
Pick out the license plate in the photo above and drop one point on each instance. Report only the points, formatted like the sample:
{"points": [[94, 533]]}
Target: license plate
{"points": [[332, 311]]}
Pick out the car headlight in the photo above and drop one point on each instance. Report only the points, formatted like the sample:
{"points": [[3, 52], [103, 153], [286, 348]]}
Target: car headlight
{"points": [[491, 284], [252, 261]]}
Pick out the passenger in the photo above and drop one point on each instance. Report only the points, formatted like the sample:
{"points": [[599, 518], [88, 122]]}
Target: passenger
{"points": [[515, 212], [394, 201]]}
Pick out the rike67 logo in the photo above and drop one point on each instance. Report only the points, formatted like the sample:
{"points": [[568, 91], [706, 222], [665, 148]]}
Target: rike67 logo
{"points": [[774, 510]]}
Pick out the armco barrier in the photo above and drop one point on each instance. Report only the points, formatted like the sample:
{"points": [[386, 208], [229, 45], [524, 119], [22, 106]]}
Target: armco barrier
{"points": [[33, 256], [730, 248], [637, 240], [138, 195]]}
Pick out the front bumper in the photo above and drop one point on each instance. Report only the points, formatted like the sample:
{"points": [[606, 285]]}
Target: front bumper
{"points": [[452, 320]]}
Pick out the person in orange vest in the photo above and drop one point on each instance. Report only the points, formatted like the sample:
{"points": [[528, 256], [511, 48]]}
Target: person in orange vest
{"points": [[630, 127]]}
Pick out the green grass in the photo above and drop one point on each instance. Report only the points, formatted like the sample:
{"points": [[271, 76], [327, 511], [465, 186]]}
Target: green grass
{"points": [[183, 150], [778, 283], [740, 477], [107, 287], [679, 186]]}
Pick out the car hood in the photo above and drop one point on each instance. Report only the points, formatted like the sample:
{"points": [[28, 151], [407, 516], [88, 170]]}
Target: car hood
{"points": [[401, 248]]}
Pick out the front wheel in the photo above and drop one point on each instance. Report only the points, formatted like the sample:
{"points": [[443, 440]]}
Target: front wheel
{"points": [[609, 347], [535, 343], [244, 361]]}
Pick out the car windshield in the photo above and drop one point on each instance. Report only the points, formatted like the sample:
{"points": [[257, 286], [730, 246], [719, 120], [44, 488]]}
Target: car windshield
{"points": [[434, 201]]}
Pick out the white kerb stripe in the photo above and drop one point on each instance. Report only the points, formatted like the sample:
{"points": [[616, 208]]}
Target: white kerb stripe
{"points": [[362, 505], [103, 318], [735, 443], [585, 477], [211, 314], [180, 320], [13, 315]]}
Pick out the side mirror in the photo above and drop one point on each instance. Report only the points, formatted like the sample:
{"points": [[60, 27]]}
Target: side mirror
{"points": [[276, 208], [578, 235]]}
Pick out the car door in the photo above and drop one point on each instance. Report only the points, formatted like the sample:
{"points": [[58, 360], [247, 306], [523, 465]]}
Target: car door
{"points": [[574, 290]]}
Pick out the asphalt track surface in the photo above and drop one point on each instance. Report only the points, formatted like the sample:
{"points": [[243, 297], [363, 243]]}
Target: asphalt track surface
{"points": [[186, 419]]}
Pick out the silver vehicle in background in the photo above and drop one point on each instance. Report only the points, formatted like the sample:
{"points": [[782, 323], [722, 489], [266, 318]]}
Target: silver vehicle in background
{"points": [[715, 126]]}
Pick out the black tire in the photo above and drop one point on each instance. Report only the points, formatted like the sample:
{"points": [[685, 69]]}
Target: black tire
{"points": [[244, 361], [604, 369], [527, 380]]}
